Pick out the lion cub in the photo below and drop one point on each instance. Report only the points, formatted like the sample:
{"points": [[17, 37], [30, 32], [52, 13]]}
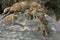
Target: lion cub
{"points": [[10, 19], [21, 7], [31, 13], [42, 16]]}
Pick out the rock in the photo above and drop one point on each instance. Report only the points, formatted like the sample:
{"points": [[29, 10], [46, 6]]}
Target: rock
{"points": [[16, 32]]}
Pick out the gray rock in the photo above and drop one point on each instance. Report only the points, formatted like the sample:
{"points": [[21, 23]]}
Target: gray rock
{"points": [[16, 32]]}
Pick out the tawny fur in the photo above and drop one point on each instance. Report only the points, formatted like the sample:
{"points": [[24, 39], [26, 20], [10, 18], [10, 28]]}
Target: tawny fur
{"points": [[6, 10], [33, 12], [17, 7], [27, 14], [42, 16], [20, 6], [41, 8], [10, 19], [43, 28], [34, 4]]}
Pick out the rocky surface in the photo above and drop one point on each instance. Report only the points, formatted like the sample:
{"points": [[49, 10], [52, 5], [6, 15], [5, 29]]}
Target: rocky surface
{"points": [[16, 32]]}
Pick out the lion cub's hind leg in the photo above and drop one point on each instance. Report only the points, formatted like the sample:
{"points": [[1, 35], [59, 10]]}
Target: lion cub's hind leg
{"points": [[43, 29]]}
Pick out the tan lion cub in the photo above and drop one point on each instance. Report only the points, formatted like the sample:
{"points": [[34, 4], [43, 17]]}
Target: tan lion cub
{"points": [[10, 19], [21, 6]]}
